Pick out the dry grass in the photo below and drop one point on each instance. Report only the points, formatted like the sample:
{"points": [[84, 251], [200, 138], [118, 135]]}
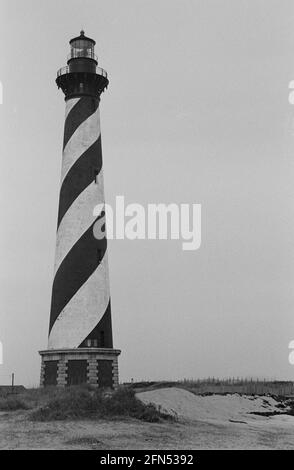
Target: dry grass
{"points": [[80, 402], [224, 386], [84, 402], [12, 403]]}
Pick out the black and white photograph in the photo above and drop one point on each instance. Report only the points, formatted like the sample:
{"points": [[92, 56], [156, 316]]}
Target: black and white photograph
{"points": [[147, 228]]}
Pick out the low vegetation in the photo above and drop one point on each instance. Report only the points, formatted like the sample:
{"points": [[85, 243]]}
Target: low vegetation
{"points": [[217, 386], [84, 402], [80, 402], [11, 403]]}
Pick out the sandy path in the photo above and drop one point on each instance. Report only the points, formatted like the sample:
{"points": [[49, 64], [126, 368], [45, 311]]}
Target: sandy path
{"points": [[16, 432]]}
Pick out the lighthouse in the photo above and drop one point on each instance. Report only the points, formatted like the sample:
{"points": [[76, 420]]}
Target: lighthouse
{"points": [[80, 345]]}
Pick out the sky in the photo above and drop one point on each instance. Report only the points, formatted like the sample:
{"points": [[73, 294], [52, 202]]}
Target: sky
{"points": [[197, 112]]}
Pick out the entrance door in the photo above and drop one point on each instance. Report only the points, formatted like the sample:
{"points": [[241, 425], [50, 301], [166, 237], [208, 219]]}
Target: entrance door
{"points": [[77, 372], [105, 373], [50, 373]]}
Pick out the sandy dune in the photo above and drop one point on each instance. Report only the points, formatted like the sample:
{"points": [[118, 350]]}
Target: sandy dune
{"points": [[214, 408]]}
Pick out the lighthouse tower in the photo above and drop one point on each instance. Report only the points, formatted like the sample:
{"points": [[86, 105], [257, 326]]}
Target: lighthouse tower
{"points": [[80, 348]]}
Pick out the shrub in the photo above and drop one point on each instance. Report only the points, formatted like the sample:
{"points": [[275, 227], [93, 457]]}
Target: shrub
{"points": [[69, 403], [79, 402], [12, 404], [123, 402]]}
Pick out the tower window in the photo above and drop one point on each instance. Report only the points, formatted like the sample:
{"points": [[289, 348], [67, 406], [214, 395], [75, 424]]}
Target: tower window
{"points": [[96, 173], [102, 339], [99, 254], [91, 343]]}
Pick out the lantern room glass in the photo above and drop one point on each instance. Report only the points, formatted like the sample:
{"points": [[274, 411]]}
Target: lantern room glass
{"points": [[82, 48]]}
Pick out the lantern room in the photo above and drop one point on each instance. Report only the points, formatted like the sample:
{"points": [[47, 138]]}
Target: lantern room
{"points": [[83, 47]]}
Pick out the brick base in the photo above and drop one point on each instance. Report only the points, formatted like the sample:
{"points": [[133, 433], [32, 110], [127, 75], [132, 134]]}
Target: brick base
{"points": [[95, 366]]}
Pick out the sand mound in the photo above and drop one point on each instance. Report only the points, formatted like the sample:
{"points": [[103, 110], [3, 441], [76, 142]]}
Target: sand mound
{"points": [[184, 404]]}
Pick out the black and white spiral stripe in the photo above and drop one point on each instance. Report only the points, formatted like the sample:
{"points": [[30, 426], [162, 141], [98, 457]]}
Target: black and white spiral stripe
{"points": [[80, 306]]}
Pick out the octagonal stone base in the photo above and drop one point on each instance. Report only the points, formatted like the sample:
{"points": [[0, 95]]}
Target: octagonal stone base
{"points": [[94, 366]]}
